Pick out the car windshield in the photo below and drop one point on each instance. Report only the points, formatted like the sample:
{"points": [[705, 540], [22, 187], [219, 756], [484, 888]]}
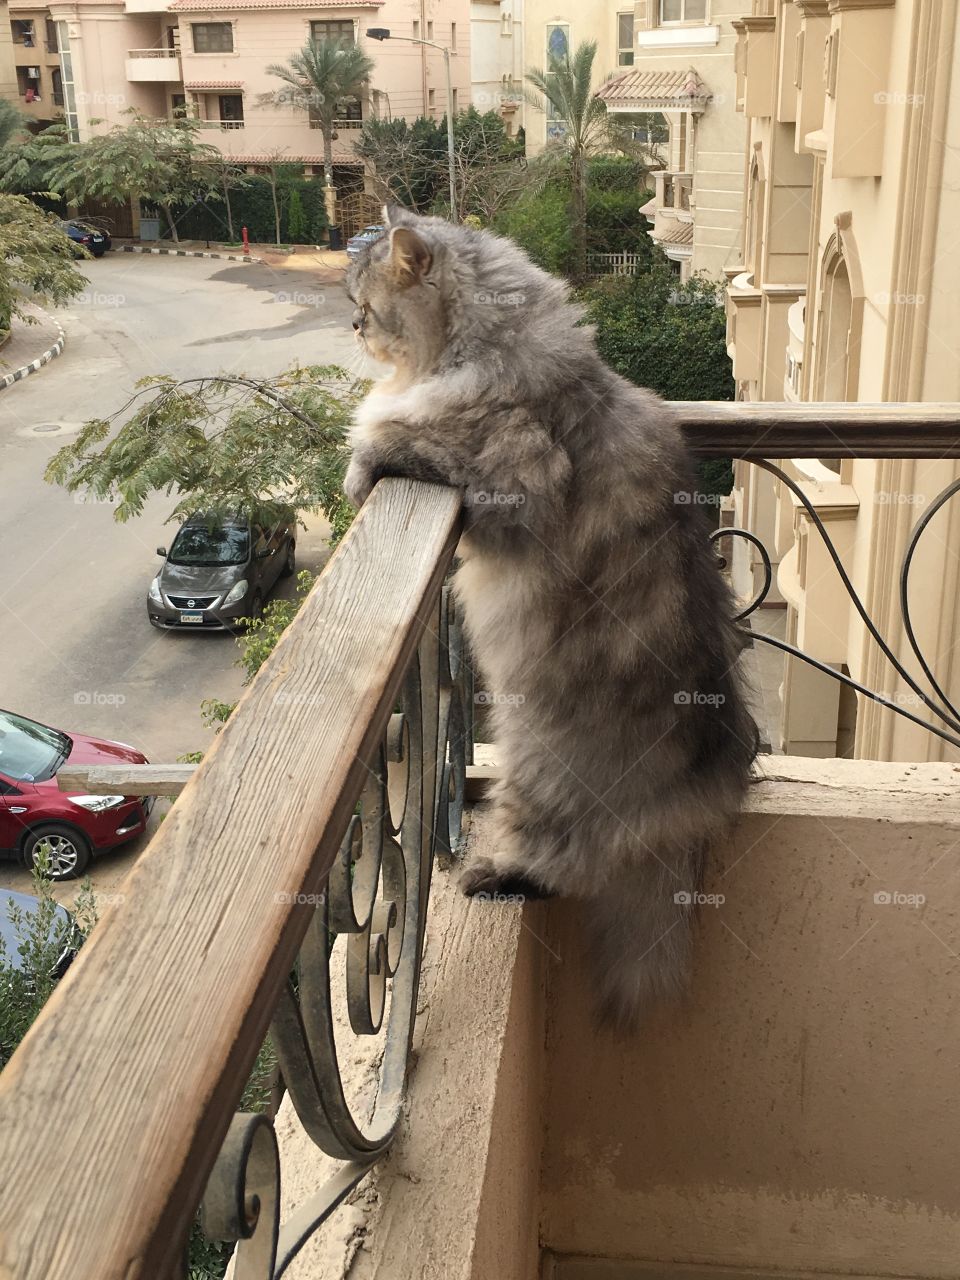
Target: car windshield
{"points": [[199, 544], [30, 752]]}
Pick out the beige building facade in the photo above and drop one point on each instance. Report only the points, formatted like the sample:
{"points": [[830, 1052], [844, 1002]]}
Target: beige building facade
{"points": [[683, 68], [103, 57], [846, 291]]}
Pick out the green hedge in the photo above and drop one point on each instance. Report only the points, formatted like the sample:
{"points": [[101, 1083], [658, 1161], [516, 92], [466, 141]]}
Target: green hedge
{"points": [[303, 217]]}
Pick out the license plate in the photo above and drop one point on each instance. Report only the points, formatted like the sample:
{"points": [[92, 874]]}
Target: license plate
{"points": [[195, 615]]}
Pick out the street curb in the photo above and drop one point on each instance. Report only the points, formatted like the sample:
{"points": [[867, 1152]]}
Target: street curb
{"points": [[8, 379], [189, 253]]}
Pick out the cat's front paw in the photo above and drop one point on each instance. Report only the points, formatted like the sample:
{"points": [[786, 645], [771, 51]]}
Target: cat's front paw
{"points": [[359, 481]]}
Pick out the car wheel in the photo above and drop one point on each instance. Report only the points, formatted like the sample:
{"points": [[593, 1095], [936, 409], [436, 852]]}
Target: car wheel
{"points": [[65, 850], [290, 564], [256, 607]]}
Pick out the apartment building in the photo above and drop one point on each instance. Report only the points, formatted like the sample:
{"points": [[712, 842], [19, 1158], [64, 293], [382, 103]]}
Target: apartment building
{"points": [[97, 60], [846, 290], [677, 60], [496, 54]]}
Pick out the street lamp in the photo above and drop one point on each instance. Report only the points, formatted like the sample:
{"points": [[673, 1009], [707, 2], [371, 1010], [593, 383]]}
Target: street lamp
{"points": [[384, 33]]}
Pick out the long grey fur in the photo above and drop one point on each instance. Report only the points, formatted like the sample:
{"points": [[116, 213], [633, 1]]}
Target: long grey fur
{"points": [[599, 622]]}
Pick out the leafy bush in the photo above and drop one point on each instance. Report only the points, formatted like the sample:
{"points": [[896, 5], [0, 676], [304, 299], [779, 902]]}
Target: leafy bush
{"points": [[303, 216], [540, 220], [540, 223], [664, 335], [42, 939], [668, 337]]}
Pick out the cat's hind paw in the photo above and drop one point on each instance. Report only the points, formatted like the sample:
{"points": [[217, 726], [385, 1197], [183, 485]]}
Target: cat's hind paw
{"points": [[483, 881]]}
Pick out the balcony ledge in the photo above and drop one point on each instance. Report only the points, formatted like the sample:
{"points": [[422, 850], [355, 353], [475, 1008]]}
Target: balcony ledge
{"points": [[480, 1170]]}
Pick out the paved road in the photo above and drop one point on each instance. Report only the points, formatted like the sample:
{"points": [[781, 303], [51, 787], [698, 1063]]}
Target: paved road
{"points": [[76, 649]]}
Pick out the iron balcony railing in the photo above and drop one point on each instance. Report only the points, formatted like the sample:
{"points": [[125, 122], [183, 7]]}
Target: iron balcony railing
{"points": [[316, 813]]}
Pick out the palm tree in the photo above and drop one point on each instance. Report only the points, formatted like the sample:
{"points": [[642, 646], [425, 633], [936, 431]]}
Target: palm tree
{"points": [[322, 77], [586, 128]]}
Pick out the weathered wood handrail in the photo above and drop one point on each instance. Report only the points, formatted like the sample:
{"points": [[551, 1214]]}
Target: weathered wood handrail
{"points": [[125, 1086], [738, 429]]}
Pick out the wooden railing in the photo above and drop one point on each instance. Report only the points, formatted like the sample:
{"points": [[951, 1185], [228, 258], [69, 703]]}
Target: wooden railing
{"points": [[115, 1106], [117, 1112]]}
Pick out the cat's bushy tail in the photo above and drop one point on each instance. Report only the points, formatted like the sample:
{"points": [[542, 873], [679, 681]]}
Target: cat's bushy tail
{"points": [[640, 936]]}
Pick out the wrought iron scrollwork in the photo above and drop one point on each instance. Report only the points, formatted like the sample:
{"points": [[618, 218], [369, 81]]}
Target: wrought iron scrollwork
{"points": [[944, 708], [374, 908]]}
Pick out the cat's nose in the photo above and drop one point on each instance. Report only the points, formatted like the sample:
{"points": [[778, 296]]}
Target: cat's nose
{"points": [[357, 320]]}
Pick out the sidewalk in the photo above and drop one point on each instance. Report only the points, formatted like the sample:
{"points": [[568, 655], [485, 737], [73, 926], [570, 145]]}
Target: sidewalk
{"points": [[29, 344]]}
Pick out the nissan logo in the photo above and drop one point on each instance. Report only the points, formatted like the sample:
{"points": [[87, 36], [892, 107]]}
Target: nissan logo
{"points": [[191, 603]]}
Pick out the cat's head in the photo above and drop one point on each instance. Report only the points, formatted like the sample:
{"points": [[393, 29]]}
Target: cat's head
{"points": [[430, 296], [397, 288]]}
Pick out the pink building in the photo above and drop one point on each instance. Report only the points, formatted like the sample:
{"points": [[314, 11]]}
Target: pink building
{"points": [[106, 56]]}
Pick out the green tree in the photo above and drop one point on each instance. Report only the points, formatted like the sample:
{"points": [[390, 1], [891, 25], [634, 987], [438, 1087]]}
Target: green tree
{"points": [[322, 78], [12, 122], [159, 162], [408, 163], [296, 218], [221, 444], [585, 130], [37, 261]]}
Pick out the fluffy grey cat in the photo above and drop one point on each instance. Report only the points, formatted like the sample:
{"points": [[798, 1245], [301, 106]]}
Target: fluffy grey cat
{"points": [[592, 599]]}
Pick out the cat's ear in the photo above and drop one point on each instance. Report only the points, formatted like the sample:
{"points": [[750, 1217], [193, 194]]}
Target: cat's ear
{"points": [[410, 256]]}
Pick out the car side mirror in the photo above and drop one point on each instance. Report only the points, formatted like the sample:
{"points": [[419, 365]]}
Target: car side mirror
{"points": [[162, 551]]}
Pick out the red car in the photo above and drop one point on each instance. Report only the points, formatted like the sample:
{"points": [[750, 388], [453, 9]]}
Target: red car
{"points": [[37, 818]]}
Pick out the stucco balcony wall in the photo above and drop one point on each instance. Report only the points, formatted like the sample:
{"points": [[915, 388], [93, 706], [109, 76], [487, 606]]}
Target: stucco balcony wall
{"points": [[791, 1116]]}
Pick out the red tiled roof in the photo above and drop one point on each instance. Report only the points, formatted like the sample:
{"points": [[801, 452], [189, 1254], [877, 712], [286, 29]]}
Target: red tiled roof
{"points": [[642, 90], [339, 157], [213, 84], [682, 233], [208, 6]]}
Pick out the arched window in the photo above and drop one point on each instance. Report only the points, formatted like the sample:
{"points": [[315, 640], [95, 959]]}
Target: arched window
{"points": [[839, 317]]}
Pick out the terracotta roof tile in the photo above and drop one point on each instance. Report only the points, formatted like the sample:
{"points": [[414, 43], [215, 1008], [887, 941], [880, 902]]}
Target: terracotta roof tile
{"points": [[208, 6], [643, 90], [681, 233]]}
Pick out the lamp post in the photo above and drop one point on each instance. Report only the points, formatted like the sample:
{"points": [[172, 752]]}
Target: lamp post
{"points": [[384, 33]]}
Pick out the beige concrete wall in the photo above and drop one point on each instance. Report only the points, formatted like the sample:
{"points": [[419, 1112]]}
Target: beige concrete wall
{"points": [[586, 20], [797, 1113]]}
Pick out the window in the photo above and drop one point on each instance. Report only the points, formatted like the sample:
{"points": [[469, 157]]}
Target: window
{"points": [[453, 95], [57, 87], [212, 37], [683, 10], [341, 31], [430, 29], [178, 104], [625, 39], [22, 31], [52, 45], [28, 83], [453, 37], [69, 94], [432, 99], [416, 28], [231, 109], [558, 48]]}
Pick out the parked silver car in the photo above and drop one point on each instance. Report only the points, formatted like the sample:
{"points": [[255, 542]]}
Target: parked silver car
{"points": [[219, 571]]}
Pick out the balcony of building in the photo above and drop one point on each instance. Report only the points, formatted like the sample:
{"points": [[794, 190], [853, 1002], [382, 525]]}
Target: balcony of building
{"points": [[154, 66], [744, 301], [793, 375], [786, 1118]]}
